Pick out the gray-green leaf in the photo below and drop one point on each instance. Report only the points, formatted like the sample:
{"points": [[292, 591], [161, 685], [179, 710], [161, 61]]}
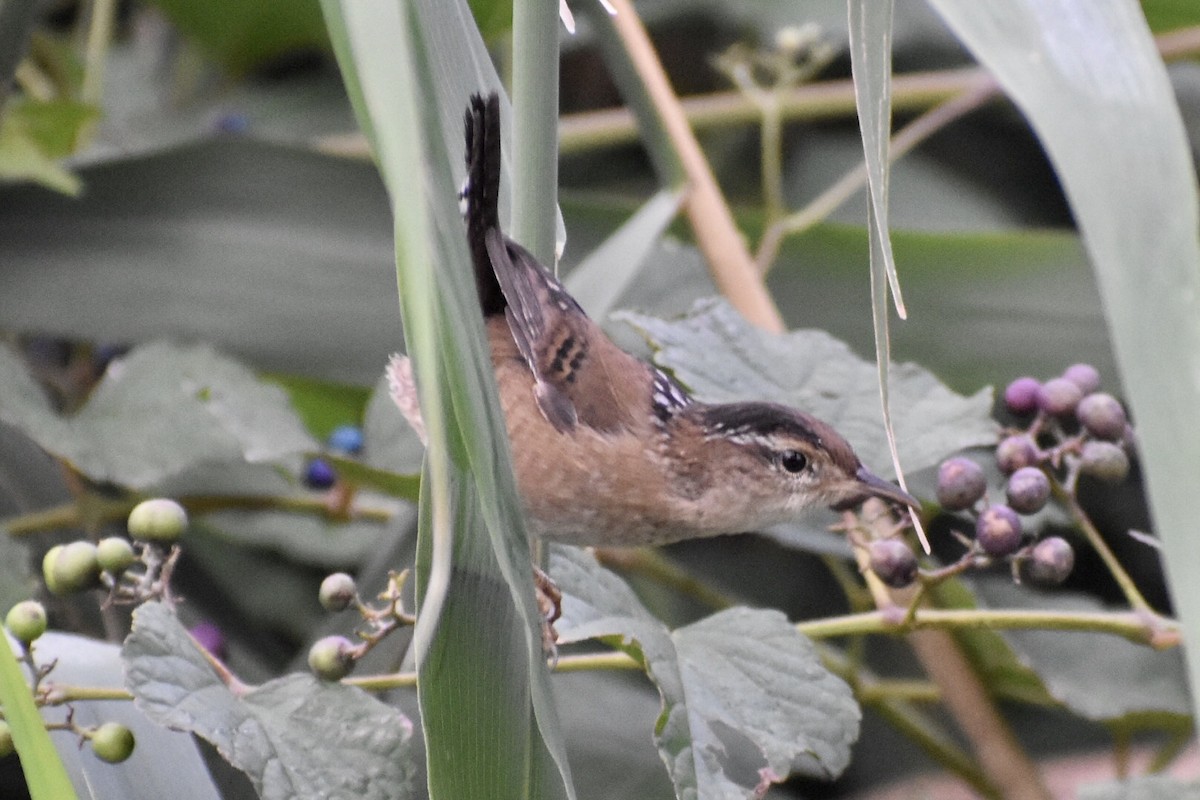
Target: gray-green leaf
{"points": [[746, 700], [722, 358], [294, 737], [161, 410], [1128, 679]]}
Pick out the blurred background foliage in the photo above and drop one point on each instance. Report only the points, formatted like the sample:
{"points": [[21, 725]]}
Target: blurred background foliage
{"points": [[190, 171]]}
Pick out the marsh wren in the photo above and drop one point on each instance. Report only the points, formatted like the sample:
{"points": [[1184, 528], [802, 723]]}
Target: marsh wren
{"points": [[610, 451]]}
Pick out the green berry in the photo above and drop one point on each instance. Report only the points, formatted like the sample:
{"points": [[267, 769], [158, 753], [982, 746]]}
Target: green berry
{"points": [[48, 568], [26, 620], [998, 531], [157, 520], [331, 658], [1104, 461], [6, 742], [115, 554], [337, 592], [112, 742], [71, 568], [893, 562]]}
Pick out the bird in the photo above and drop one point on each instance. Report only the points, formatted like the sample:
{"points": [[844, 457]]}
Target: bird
{"points": [[609, 450]]}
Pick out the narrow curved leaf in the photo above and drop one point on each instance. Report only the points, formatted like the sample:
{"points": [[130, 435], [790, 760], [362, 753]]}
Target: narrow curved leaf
{"points": [[478, 637], [608, 270], [1087, 75], [44, 773]]}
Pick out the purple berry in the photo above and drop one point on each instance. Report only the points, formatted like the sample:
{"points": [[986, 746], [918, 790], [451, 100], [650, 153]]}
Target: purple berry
{"points": [[1021, 396], [960, 483], [233, 123], [346, 439], [209, 636], [1102, 416], [319, 474], [1104, 461], [998, 531], [1015, 452], [1028, 490], [1059, 397], [893, 562], [1051, 561], [1085, 376], [1129, 438]]}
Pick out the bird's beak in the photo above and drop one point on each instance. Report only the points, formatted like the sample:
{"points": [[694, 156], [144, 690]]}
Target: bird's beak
{"points": [[874, 486]]}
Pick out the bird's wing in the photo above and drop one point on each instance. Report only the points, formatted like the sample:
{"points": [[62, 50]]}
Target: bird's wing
{"points": [[581, 377]]}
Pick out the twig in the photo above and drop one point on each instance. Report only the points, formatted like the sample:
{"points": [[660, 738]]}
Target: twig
{"points": [[712, 223], [903, 142]]}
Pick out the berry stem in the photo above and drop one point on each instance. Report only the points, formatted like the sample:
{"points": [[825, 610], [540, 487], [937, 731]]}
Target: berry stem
{"points": [[1124, 581], [893, 700], [1130, 625], [95, 511]]}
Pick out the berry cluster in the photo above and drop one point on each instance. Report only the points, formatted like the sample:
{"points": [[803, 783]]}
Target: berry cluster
{"points": [[333, 657], [133, 570], [1070, 428]]}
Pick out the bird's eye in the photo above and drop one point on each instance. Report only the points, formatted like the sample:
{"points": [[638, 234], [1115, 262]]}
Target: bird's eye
{"points": [[792, 461]]}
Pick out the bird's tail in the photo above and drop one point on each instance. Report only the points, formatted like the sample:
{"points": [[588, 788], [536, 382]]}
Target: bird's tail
{"points": [[481, 194]]}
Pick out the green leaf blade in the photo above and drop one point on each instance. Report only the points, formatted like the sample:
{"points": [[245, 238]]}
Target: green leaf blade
{"points": [[477, 610], [1090, 81], [45, 775]]}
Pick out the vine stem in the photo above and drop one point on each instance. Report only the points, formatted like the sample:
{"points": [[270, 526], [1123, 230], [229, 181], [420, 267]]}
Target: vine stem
{"points": [[814, 101], [1005, 763], [90, 510], [656, 566], [1129, 625], [903, 142], [1132, 595]]}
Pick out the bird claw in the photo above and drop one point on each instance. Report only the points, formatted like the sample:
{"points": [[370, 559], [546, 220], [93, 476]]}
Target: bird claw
{"points": [[549, 600]]}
